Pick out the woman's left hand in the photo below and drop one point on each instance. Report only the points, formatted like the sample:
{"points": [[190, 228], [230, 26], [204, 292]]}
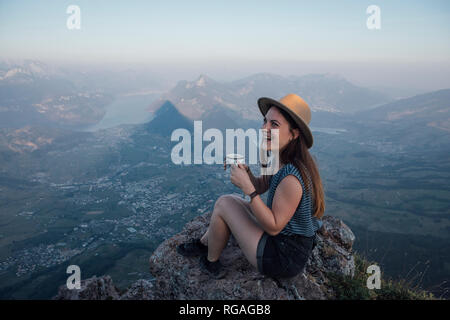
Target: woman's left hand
{"points": [[239, 177]]}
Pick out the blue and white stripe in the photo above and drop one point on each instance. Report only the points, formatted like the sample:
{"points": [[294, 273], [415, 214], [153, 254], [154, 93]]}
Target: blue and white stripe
{"points": [[302, 222]]}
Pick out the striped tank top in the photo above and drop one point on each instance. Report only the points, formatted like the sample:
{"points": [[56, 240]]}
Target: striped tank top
{"points": [[302, 222]]}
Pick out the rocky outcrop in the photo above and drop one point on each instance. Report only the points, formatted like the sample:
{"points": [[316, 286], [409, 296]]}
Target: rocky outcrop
{"points": [[91, 289], [178, 277]]}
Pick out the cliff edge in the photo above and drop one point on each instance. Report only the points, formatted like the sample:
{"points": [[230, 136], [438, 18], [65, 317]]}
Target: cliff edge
{"points": [[178, 277]]}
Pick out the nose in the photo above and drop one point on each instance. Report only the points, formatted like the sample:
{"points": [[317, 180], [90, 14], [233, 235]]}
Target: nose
{"points": [[266, 128], [266, 133]]}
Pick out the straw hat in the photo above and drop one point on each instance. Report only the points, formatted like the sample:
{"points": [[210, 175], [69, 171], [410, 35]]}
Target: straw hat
{"points": [[296, 107]]}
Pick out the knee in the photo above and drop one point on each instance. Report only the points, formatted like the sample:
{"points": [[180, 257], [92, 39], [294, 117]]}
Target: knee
{"points": [[223, 202]]}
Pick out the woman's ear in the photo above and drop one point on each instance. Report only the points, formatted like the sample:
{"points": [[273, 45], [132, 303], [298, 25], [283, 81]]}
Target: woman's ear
{"points": [[296, 133]]}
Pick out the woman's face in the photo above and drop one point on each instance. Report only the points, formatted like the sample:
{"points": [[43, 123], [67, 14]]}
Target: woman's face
{"points": [[275, 120]]}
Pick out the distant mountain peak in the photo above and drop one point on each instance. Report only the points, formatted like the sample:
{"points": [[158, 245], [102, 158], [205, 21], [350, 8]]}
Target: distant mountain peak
{"points": [[168, 118], [166, 107], [25, 71], [202, 81]]}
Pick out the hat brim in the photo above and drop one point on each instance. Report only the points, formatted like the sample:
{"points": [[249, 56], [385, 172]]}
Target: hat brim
{"points": [[264, 105]]}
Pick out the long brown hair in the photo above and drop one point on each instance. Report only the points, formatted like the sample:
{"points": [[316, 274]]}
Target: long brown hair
{"points": [[297, 153]]}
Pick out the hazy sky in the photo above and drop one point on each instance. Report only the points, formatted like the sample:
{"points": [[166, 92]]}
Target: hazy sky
{"points": [[229, 39]]}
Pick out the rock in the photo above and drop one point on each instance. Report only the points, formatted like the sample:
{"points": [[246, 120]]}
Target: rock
{"points": [[179, 277], [140, 290], [332, 253], [91, 289]]}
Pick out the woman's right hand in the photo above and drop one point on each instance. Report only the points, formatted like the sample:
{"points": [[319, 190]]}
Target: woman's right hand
{"points": [[244, 165]]}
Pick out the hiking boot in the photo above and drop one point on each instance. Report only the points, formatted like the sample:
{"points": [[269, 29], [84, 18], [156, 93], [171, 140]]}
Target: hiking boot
{"points": [[192, 248], [215, 269]]}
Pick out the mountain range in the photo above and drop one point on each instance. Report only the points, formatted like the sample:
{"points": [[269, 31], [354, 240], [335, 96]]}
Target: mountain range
{"points": [[35, 93], [418, 124], [422, 120], [324, 92], [429, 109]]}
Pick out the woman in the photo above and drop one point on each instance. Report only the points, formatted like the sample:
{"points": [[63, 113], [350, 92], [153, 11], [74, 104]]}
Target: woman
{"points": [[276, 238]]}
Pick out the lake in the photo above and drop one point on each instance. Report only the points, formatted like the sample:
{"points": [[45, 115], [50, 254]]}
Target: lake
{"points": [[130, 109], [328, 130]]}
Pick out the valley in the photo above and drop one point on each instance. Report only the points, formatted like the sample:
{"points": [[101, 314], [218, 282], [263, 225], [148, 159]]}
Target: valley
{"points": [[105, 198]]}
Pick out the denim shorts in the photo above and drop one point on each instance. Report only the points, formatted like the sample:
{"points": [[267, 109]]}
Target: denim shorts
{"points": [[283, 256]]}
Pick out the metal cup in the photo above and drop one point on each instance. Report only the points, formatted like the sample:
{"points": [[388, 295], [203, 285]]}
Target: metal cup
{"points": [[234, 158]]}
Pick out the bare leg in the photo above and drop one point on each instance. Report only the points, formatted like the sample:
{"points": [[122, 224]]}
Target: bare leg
{"points": [[218, 235], [231, 215], [204, 238]]}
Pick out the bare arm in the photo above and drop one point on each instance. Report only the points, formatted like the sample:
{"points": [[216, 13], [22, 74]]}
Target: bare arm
{"points": [[286, 199], [261, 183]]}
